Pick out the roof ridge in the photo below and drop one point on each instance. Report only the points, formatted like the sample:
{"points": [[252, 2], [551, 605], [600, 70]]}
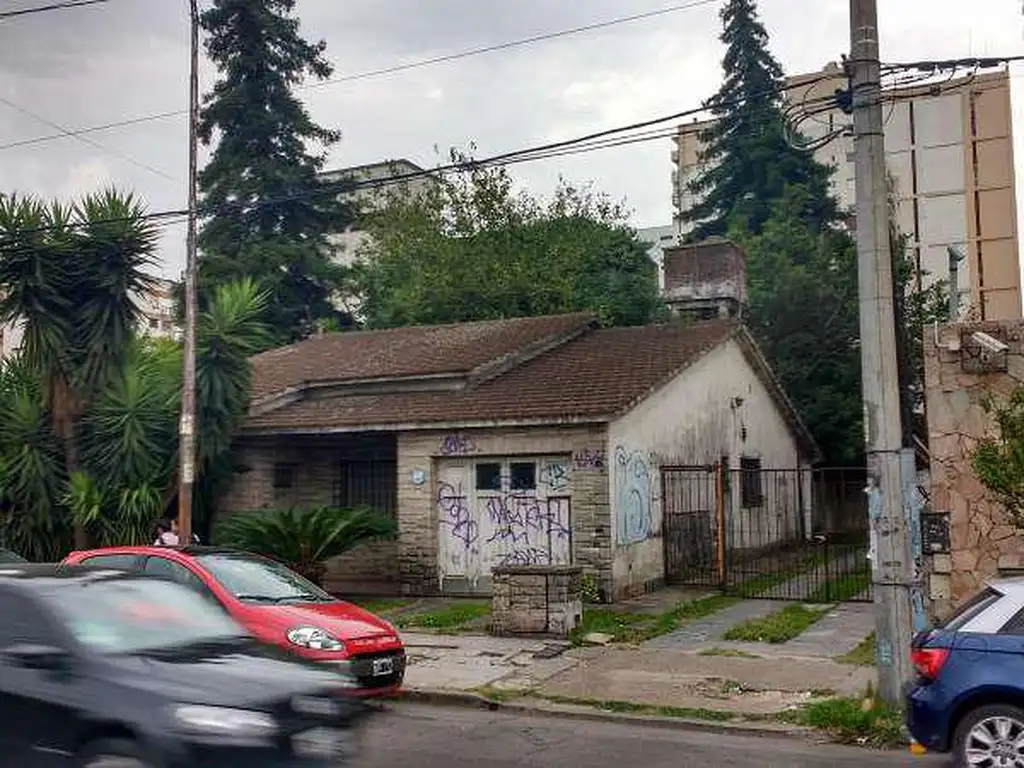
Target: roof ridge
{"points": [[429, 327]]}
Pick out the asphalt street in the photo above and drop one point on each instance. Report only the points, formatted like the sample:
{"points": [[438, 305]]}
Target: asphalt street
{"points": [[436, 737]]}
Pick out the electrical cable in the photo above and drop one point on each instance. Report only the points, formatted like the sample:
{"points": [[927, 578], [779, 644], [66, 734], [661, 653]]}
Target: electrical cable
{"points": [[10, 104], [51, 7], [385, 70]]}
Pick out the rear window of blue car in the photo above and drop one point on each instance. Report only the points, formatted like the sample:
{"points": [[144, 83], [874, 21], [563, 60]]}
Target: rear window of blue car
{"points": [[970, 609]]}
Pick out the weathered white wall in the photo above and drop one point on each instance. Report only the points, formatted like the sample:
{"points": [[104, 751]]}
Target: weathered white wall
{"points": [[718, 407]]}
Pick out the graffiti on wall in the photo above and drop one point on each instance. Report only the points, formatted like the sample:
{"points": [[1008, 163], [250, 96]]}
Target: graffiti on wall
{"points": [[456, 445], [554, 476], [504, 529], [633, 499], [588, 459], [455, 515]]}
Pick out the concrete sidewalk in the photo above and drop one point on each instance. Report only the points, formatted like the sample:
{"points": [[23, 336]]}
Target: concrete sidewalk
{"points": [[676, 678]]}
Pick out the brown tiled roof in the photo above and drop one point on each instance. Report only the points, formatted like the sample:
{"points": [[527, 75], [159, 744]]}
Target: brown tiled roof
{"points": [[596, 375], [403, 352]]}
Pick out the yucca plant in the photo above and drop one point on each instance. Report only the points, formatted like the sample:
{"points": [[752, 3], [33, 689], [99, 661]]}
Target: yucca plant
{"points": [[305, 539]]}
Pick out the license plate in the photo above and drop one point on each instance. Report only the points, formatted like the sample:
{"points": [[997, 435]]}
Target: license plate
{"points": [[383, 666], [319, 743]]}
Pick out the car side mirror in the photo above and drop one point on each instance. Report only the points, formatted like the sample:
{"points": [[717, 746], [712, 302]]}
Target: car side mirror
{"points": [[31, 656]]}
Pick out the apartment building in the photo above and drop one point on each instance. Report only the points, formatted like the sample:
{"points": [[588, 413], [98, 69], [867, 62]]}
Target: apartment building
{"points": [[376, 182], [949, 150]]}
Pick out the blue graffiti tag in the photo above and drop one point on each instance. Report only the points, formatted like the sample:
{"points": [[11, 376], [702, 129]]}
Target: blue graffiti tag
{"points": [[633, 496]]}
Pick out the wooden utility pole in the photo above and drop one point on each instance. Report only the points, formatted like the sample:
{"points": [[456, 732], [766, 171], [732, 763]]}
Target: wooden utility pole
{"points": [[187, 427], [891, 557]]}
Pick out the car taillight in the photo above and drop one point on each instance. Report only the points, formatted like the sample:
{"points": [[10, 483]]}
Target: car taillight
{"points": [[928, 661]]}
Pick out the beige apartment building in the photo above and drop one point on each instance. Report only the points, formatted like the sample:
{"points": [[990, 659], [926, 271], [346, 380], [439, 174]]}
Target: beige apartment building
{"points": [[949, 149]]}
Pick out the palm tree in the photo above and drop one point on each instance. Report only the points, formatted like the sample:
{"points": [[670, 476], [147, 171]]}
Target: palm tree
{"points": [[305, 540], [70, 274], [88, 411]]}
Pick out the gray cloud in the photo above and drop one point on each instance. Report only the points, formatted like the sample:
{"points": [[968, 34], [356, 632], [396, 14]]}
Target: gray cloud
{"points": [[129, 58]]}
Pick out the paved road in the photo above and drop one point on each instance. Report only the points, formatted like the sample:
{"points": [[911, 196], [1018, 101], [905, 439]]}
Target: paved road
{"points": [[437, 737]]}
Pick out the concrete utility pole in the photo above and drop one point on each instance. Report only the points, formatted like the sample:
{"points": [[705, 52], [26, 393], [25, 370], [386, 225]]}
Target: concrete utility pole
{"points": [[187, 427], [891, 557]]}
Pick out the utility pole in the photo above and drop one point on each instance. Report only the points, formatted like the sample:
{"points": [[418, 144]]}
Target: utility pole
{"points": [[187, 426], [891, 556]]}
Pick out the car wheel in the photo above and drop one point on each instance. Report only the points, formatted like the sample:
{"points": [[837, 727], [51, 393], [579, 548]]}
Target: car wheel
{"points": [[113, 753], [991, 736]]}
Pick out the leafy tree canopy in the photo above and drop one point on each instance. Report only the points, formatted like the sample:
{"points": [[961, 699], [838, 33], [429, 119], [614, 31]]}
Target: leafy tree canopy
{"points": [[469, 247], [270, 210]]}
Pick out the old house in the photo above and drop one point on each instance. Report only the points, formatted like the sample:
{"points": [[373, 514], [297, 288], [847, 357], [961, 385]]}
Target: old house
{"points": [[529, 440]]}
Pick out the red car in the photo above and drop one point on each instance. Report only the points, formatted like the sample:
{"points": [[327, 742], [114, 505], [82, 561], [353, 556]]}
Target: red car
{"points": [[276, 605]]}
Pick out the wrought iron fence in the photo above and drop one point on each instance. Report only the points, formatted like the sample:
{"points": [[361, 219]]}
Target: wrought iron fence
{"points": [[788, 534]]}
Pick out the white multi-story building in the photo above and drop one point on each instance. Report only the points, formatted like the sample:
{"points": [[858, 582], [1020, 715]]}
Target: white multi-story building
{"points": [[377, 181], [949, 149]]}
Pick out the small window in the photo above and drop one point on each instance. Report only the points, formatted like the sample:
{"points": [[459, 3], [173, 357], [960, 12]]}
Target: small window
{"points": [[523, 475], [284, 475], [750, 478], [488, 476]]}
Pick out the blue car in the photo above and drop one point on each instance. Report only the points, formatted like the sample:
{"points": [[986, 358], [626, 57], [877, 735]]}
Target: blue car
{"points": [[968, 698]]}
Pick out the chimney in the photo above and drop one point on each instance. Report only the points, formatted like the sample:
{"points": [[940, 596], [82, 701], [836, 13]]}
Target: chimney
{"points": [[706, 279]]}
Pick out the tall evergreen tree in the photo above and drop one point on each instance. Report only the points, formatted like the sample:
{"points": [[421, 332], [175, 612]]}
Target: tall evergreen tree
{"points": [[268, 209], [748, 161]]}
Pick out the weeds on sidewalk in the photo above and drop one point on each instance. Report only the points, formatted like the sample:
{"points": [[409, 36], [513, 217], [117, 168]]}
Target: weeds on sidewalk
{"points": [[866, 720], [450, 618], [778, 627], [863, 655], [628, 627]]}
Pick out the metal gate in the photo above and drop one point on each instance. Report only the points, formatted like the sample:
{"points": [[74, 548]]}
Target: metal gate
{"points": [[787, 534]]}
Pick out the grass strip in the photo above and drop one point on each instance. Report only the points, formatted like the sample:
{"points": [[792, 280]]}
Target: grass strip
{"points": [[450, 618], [778, 627]]}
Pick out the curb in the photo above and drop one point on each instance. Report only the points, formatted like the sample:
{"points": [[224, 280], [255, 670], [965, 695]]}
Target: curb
{"points": [[455, 698]]}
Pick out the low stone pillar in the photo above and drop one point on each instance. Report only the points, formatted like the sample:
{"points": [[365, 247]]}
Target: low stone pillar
{"points": [[536, 600]]}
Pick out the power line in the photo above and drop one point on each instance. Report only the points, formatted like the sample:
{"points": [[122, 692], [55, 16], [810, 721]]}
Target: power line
{"points": [[373, 73], [512, 44], [51, 7], [587, 142], [83, 139]]}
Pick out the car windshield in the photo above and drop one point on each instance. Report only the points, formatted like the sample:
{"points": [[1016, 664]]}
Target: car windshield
{"points": [[259, 580], [6, 556], [133, 616]]}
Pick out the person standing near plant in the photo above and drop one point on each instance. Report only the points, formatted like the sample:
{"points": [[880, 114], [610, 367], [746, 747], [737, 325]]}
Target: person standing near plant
{"points": [[165, 534]]}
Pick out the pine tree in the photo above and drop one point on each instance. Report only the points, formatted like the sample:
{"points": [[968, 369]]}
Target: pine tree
{"points": [[265, 159], [748, 162]]}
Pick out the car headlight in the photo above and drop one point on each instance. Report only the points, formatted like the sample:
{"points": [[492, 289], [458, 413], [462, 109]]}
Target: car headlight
{"points": [[224, 722], [315, 639]]}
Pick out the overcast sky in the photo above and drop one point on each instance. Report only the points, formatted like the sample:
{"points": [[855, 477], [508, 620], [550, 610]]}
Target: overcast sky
{"points": [[129, 58]]}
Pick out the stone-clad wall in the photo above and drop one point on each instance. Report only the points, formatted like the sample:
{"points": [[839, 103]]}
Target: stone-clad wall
{"points": [[536, 600], [983, 542]]}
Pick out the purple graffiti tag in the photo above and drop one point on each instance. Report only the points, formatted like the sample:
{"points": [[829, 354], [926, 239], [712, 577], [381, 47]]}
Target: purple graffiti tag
{"points": [[589, 459], [454, 512], [457, 445], [515, 518], [527, 556]]}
